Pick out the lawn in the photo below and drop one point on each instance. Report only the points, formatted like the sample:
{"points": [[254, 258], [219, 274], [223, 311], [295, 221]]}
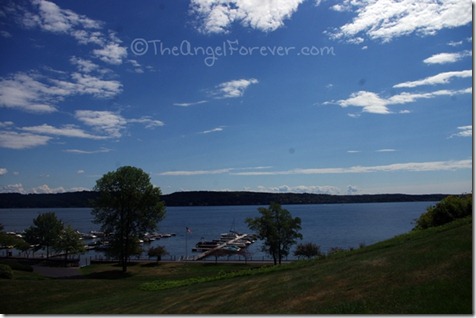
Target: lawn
{"points": [[423, 272]]}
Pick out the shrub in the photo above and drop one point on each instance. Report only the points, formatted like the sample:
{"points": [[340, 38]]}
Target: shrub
{"points": [[6, 271], [308, 250], [445, 211]]}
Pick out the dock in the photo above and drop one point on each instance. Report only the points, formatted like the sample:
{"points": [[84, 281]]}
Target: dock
{"points": [[210, 251]]}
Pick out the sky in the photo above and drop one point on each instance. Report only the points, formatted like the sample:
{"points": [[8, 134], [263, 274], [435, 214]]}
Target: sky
{"points": [[315, 96]]}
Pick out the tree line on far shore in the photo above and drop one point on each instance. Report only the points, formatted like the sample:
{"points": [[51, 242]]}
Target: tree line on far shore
{"points": [[85, 199]]}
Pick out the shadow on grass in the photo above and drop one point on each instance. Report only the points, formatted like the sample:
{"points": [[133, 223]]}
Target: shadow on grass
{"points": [[111, 274]]}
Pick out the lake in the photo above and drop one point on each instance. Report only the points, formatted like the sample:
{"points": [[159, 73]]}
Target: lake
{"points": [[327, 225]]}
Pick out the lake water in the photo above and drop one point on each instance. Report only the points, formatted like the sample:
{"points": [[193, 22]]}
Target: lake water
{"points": [[327, 225]]}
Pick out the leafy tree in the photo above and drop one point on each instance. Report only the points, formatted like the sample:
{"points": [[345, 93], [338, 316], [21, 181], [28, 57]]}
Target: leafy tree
{"points": [[128, 206], [277, 228], [450, 208], [69, 242], [44, 232], [308, 250], [158, 252]]}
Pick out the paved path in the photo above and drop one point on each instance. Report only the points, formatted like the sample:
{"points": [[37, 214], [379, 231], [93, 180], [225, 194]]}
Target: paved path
{"points": [[56, 272]]}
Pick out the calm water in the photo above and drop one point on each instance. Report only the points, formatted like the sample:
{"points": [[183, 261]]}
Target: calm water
{"points": [[328, 225]]}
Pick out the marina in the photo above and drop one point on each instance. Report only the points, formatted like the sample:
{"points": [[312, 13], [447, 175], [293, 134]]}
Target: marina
{"points": [[229, 243]]}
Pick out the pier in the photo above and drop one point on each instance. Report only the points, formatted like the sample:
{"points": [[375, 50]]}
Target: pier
{"points": [[210, 251]]}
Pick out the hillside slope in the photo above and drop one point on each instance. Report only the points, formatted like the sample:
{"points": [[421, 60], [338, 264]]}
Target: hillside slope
{"points": [[427, 272], [422, 272]]}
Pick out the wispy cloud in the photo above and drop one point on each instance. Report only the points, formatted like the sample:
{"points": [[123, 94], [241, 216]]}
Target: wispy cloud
{"points": [[463, 131], [316, 189], [386, 150], [49, 17], [36, 93], [190, 104], [259, 171], [442, 78], [65, 131], [388, 19], [106, 122], [444, 58], [15, 140], [195, 172], [233, 89], [88, 152], [147, 121], [410, 166], [210, 172], [218, 129], [216, 16], [372, 103]]}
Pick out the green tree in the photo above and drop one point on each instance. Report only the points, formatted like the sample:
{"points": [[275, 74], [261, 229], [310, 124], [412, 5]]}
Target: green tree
{"points": [[127, 207], [308, 250], [69, 242], [44, 232], [158, 252], [277, 228], [450, 208]]}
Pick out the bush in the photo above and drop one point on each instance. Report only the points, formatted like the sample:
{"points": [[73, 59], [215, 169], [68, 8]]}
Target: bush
{"points": [[308, 250], [447, 210], [6, 271]]}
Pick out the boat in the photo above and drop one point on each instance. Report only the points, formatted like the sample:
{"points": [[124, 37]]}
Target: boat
{"points": [[231, 248], [207, 245]]}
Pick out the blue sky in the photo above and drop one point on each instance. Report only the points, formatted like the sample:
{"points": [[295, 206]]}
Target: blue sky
{"points": [[338, 97]]}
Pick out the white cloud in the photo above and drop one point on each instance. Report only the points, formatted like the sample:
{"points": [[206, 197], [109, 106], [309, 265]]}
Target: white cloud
{"points": [[50, 17], [104, 121], [23, 92], [112, 124], [218, 129], [46, 189], [372, 103], [148, 122], [464, 131], [190, 104], [216, 16], [444, 58], [79, 151], [410, 166], [3, 171], [65, 131], [14, 140], [235, 88], [5, 34], [352, 189], [441, 78], [300, 189], [12, 188], [195, 172], [455, 43], [84, 66], [386, 150], [35, 93], [111, 53], [386, 19]]}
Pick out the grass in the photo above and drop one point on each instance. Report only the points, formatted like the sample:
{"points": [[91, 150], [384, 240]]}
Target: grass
{"points": [[423, 272]]}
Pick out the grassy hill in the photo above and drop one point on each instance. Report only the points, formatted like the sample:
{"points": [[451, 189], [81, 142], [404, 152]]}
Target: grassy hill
{"points": [[424, 272]]}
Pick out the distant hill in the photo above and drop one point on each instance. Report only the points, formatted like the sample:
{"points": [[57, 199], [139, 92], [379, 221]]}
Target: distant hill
{"points": [[207, 198]]}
